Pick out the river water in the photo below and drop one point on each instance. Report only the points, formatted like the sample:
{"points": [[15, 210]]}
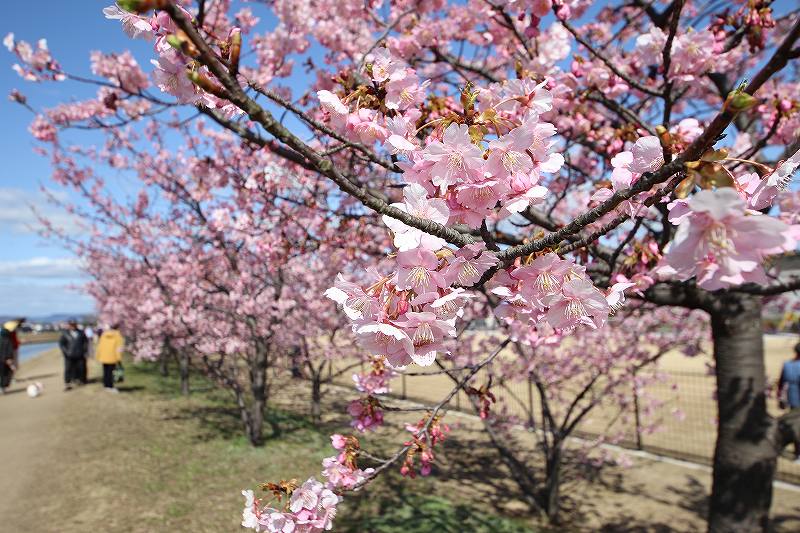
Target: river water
{"points": [[27, 351]]}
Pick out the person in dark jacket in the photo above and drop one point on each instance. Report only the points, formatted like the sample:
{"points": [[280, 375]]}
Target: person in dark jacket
{"points": [[6, 359], [789, 391], [75, 347]]}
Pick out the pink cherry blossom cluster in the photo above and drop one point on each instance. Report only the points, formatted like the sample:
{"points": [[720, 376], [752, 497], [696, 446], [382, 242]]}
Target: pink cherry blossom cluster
{"points": [[760, 193], [646, 155], [172, 68], [720, 242], [376, 381], [121, 70], [366, 412], [554, 290], [471, 176], [311, 509], [406, 315], [693, 52], [37, 64], [341, 470]]}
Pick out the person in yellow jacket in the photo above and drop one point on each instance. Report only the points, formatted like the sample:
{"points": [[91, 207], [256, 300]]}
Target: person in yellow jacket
{"points": [[109, 352]]}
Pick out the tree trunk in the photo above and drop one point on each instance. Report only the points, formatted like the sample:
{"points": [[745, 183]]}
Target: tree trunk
{"points": [[551, 493], [517, 468], [244, 412], [258, 386], [746, 452], [316, 397], [183, 362], [166, 353]]}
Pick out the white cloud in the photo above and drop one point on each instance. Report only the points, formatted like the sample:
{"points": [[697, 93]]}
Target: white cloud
{"points": [[42, 298], [40, 286], [20, 209], [41, 267]]}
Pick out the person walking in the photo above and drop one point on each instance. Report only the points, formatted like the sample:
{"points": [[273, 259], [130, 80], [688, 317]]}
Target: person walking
{"points": [[7, 367], [109, 352], [74, 348], [789, 391]]}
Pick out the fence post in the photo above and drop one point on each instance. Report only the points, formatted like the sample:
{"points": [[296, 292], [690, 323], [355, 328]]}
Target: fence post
{"points": [[530, 400], [637, 418], [403, 377]]}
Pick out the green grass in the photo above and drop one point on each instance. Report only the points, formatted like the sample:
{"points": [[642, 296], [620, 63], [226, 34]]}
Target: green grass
{"points": [[410, 510], [197, 462]]}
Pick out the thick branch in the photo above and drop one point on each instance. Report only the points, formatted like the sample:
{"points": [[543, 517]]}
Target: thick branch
{"points": [[322, 165]]}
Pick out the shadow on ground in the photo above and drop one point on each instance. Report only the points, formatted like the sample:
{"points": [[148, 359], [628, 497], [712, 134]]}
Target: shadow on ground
{"points": [[472, 488]]}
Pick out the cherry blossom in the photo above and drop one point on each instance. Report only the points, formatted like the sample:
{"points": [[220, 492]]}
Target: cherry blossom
{"points": [[133, 25], [514, 138], [646, 155], [720, 243], [419, 205], [768, 188], [455, 158]]}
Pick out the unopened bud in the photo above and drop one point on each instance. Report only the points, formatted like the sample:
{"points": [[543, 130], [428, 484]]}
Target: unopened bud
{"points": [[206, 84], [140, 6], [181, 43], [174, 41], [664, 136], [16, 96], [685, 187], [235, 39]]}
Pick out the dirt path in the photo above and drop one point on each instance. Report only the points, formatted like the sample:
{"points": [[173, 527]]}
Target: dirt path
{"points": [[51, 446], [87, 460], [29, 434]]}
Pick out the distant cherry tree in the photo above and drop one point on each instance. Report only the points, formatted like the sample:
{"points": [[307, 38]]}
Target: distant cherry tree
{"points": [[554, 155]]}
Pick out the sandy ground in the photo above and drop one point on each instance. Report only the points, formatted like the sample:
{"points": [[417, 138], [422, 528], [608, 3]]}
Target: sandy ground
{"points": [[46, 440], [650, 495], [29, 437], [34, 442]]}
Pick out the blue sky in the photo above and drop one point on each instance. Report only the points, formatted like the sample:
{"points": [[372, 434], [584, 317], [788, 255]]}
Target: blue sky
{"points": [[38, 277], [34, 274]]}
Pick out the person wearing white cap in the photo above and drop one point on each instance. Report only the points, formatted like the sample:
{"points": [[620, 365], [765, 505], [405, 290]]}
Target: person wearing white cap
{"points": [[8, 353]]}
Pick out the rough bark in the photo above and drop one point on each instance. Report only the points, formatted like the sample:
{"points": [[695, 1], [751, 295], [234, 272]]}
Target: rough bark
{"points": [[746, 452], [183, 363], [316, 398], [163, 361], [258, 387], [551, 494]]}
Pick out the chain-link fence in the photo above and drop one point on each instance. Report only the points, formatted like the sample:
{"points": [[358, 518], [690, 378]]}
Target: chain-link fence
{"points": [[683, 425]]}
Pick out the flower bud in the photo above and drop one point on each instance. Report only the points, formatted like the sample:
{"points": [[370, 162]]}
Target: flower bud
{"points": [[235, 39], [181, 43], [16, 96], [664, 136], [140, 6], [206, 84]]}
